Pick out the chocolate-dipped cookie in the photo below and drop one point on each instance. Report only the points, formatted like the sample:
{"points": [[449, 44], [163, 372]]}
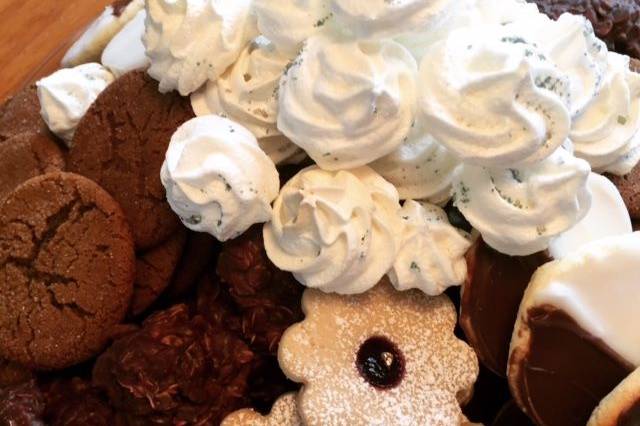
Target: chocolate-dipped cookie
{"points": [[67, 266], [622, 406], [21, 114], [121, 143], [573, 341]]}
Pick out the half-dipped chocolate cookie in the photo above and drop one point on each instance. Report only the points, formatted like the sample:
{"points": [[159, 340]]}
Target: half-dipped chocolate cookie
{"points": [[67, 266], [622, 406], [575, 339]]}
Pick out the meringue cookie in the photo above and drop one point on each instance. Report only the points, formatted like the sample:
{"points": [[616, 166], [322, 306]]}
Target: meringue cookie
{"points": [[518, 211], [493, 99], [606, 134], [125, 52], [217, 178], [66, 95], [248, 94], [420, 168], [384, 18], [348, 103], [92, 42], [288, 23], [432, 255], [192, 41], [335, 231]]}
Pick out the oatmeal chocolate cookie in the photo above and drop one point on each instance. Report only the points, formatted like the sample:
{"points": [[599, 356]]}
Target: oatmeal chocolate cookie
{"points": [[21, 405], [21, 114], [121, 143], [154, 270], [25, 156], [67, 266], [629, 187]]}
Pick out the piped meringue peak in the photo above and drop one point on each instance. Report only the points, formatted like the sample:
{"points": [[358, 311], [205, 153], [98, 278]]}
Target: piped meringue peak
{"points": [[337, 231], [217, 178], [348, 103]]}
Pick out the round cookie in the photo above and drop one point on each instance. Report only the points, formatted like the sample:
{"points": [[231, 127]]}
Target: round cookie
{"points": [[21, 114], [622, 406], [629, 187], [121, 144], [154, 270], [25, 156], [67, 266]]}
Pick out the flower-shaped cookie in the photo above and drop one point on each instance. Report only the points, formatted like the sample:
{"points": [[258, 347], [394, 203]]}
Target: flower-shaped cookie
{"points": [[382, 357], [283, 413]]}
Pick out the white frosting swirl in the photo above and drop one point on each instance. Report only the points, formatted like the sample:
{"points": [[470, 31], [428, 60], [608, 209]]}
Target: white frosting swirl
{"points": [[288, 23], [420, 168], [335, 231], [518, 211], [348, 103], [432, 255], [217, 178], [192, 41], [606, 134], [384, 18], [493, 99], [248, 94], [66, 95]]}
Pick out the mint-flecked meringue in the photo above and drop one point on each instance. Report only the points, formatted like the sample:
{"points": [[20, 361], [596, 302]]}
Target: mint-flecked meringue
{"points": [[192, 41], [493, 99], [338, 231], [66, 95], [348, 103], [519, 211], [248, 94], [432, 257], [217, 178], [288, 23]]}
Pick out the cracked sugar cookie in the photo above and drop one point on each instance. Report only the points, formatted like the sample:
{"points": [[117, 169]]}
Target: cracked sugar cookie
{"points": [[283, 413], [382, 357], [67, 266]]}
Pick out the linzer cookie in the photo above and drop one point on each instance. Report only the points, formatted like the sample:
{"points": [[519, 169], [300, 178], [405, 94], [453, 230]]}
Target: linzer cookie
{"points": [[382, 357], [66, 271], [622, 406], [573, 343], [283, 413]]}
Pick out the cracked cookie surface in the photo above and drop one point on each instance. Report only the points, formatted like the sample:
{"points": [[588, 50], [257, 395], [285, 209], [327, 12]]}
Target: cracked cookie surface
{"points": [[20, 114], [121, 144], [67, 266]]}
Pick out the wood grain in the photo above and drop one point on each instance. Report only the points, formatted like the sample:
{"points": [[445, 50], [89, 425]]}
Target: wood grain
{"points": [[35, 34]]}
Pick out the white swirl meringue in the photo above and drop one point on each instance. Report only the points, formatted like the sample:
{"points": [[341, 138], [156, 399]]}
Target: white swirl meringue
{"points": [[432, 255], [66, 95], [348, 103], [125, 52], [420, 169], [248, 94], [217, 178], [606, 134], [288, 23], [518, 211], [493, 99], [192, 41], [335, 231]]}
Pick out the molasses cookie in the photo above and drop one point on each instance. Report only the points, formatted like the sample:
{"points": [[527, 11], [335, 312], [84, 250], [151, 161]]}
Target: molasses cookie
{"points": [[67, 266], [121, 143], [21, 114], [25, 156], [629, 187]]}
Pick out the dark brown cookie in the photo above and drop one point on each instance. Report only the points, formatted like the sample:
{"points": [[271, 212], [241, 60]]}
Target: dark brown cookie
{"points": [[121, 144], [198, 254], [25, 156], [67, 266], [21, 405], [21, 114], [13, 374], [629, 187], [154, 270]]}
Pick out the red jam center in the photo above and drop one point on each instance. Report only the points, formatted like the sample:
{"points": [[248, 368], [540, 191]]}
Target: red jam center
{"points": [[380, 363]]}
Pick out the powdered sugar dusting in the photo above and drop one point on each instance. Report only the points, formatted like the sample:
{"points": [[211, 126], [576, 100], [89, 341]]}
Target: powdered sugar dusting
{"points": [[283, 413]]}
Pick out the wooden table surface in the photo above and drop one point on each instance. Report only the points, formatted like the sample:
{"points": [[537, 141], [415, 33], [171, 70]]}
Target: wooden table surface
{"points": [[34, 35]]}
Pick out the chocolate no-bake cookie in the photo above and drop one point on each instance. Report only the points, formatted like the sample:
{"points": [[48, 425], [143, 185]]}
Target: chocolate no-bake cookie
{"points": [[121, 143], [67, 266], [21, 405]]}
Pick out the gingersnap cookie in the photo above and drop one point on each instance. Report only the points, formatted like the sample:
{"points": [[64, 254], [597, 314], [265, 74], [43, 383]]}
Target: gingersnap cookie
{"points": [[21, 114], [25, 156], [67, 266], [381, 357], [622, 406], [154, 270], [573, 342], [629, 187], [283, 413], [121, 143]]}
